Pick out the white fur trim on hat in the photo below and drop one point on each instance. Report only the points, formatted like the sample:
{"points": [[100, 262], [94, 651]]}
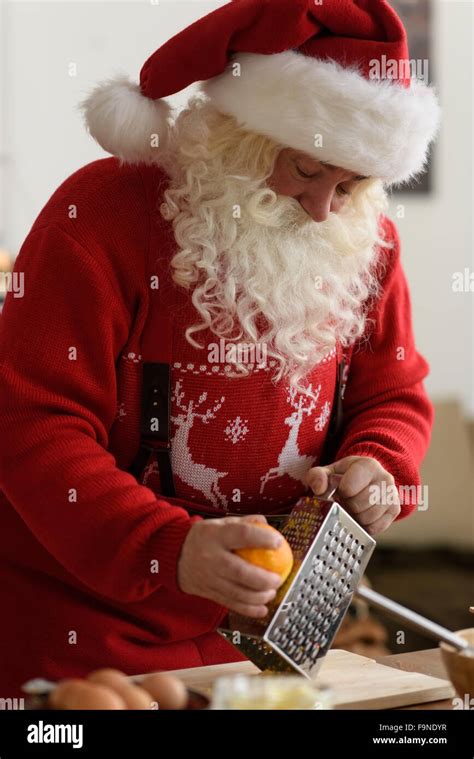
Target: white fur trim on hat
{"points": [[125, 122], [376, 127]]}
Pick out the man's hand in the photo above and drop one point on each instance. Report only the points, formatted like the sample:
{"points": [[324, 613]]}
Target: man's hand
{"points": [[207, 566], [361, 488]]}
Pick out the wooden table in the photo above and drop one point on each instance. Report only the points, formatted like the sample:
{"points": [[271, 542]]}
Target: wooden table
{"points": [[428, 662]]}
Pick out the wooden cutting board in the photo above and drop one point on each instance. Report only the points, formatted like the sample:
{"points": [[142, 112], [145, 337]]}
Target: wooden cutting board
{"points": [[356, 681]]}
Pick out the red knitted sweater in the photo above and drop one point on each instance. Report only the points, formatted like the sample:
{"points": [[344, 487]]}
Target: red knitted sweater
{"points": [[78, 535]]}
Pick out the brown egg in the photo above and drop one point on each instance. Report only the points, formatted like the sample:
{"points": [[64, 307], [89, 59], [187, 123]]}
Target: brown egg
{"points": [[108, 677], [136, 697], [80, 694], [133, 695], [168, 691]]}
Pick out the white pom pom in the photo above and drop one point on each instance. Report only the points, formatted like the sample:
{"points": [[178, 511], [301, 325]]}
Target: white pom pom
{"points": [[125, 122]]}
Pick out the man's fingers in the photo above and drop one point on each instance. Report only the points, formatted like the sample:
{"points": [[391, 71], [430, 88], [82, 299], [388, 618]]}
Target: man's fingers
{"points": [[370, 498], [253, 518], [357, 477], [242, 595], [370, 515], [360, 503], [381, 524], [246, 535], [237, 570], [317, 478], [247, 610]]}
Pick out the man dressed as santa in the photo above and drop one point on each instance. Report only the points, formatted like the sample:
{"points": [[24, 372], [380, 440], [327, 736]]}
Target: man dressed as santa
{"points": [[240, 249]]}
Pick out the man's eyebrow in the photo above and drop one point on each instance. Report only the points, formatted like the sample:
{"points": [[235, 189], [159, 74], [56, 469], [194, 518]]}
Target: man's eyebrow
{"points": [[331, 166], [355, 179]]}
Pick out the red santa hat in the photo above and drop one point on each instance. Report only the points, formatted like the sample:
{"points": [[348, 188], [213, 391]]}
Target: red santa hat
{"points": [[328, 77]]}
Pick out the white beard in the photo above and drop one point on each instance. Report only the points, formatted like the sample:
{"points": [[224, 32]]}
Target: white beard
{"points": [[275, 277]]}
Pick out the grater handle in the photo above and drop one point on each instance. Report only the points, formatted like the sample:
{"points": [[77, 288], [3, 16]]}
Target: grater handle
{"points": [[414, 620]]}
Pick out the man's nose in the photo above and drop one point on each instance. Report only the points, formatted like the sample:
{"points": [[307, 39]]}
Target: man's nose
{"points": [[320, 201]]}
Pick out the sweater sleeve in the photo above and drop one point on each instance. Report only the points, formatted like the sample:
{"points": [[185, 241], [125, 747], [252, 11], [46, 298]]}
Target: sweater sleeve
{"points": [[58, 348], [387, 413]]}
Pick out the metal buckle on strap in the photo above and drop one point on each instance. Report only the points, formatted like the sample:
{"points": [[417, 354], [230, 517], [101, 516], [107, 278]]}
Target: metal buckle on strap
{"points": [[155, 425], [156, 403]]}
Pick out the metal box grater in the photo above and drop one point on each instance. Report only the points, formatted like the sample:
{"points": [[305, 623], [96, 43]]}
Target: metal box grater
{"points": [[331, 552]]}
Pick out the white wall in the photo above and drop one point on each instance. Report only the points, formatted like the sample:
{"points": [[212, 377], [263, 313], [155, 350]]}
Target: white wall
{"points": [[437, 231], [45, 142]]}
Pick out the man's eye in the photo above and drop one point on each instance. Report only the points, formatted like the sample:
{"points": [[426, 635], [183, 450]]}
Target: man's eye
{"points": [[342, 191], [303, 173]]}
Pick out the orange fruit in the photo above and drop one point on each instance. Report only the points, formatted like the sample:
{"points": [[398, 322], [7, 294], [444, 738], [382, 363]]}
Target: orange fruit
{"points": [[278, 560]]}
